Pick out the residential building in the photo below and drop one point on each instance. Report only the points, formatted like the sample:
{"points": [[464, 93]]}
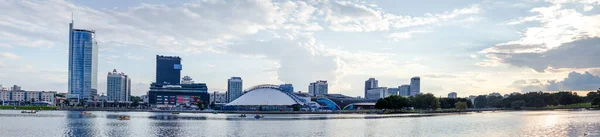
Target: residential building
{"points": [[287, 87], [118, 86], [83, 63], [168, 70], [415, 86], [377, 93], [404, 90], [371, 83], [14, 97], [318, 88], [217, 97], [234, 88], [15, 88], [452, 95]]}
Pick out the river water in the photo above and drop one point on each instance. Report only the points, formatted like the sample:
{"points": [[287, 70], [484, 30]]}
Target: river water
{"points": [[146, 124]]}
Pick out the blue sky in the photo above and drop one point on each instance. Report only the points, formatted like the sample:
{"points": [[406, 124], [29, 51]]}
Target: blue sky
{"points": [[469, 47]]}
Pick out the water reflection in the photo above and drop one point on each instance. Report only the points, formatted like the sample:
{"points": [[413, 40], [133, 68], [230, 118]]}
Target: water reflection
{"points": [[79, 125], [169, 125], [117, 128]]}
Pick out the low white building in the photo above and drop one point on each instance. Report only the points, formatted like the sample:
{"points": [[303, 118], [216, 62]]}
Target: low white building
{"points": [[31, 96]]}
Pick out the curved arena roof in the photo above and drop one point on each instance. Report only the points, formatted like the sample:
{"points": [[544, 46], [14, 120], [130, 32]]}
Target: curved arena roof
{"points": [[267, 95]]}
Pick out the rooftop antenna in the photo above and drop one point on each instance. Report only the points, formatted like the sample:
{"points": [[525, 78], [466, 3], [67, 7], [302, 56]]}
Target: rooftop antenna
{"points": [[72, 17]]}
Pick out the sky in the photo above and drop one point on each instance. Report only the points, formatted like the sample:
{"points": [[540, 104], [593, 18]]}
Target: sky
{"points": [[471, 47]]}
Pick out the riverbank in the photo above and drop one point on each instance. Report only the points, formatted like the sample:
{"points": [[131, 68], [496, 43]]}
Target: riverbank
{"points": [[28, 107]]}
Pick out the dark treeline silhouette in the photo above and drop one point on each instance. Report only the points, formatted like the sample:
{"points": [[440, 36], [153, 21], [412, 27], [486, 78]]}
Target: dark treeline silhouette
{"points": [[515, 101], [420, 101], [534, 100]]}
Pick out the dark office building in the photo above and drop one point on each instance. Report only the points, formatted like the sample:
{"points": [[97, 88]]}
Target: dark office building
{"points": [[168, 69], [178, 95]]}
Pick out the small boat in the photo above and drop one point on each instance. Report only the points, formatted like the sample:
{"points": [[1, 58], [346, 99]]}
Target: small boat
{"points": [[175, 113], [86, 113], [243, 115], [258, 116], [123, 118], [31, 111]]}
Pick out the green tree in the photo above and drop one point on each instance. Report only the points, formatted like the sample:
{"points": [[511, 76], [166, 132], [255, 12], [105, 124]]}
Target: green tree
{"points": [[480, 101], [539, 103], [596, 101], [200, 105], [461, 105], [296, 107], [425, 101], [396, 102], [381, 104], [517, 104]]}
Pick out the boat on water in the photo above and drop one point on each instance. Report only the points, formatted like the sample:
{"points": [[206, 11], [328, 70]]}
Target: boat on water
{"points": [[257, 116], [123, 118], [31, 111], [85, 113], [242, 115], [175, 113]]}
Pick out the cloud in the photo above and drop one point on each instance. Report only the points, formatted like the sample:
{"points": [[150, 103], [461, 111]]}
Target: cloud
{"points": [[578, 54], [574, 81], [191, 27], [300, 59], [565, 38], [406, 35], [8, 55], [443, 76], [353, 17]]}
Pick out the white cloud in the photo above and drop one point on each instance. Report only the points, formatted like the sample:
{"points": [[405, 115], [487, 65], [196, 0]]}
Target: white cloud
{"points": [[588, 8], [406, 35], [542, 46], [8, 55], [353, 17]]}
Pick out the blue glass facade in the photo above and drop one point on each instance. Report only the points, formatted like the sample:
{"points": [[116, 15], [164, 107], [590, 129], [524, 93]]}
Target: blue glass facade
{"points": [[287, 87], [83, 63], [168, 70]]}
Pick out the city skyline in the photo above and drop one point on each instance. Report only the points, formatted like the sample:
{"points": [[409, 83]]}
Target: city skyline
{"points": [[300, 42]]}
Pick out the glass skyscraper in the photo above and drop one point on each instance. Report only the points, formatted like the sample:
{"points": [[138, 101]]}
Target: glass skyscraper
{"points": [[83, 63], [168, 70]]}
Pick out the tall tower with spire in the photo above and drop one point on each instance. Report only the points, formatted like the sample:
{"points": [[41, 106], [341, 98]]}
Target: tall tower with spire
{"points": [[83, 63]]}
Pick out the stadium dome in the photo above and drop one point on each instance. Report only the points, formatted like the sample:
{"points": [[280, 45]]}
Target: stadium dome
{"points": [[267, 95]]}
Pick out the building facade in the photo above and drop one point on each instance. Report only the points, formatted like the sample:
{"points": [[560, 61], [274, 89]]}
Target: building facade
{"points": [[168, 70], [393, 91], [234, 88], [415, 86], [452, 95], [118, 86], [83, 63], [217, 97], [178, 95], [371, 83], [318, 88], [404, 90], [287, 87], [20, 96], [377, 93]]}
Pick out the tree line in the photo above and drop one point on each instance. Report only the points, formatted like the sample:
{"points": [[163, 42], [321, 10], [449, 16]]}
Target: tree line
{"points": [[422, 101], [514, 101]]}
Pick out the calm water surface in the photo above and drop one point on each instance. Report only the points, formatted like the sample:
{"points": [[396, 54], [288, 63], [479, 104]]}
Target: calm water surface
{"points": [[146, 124]]}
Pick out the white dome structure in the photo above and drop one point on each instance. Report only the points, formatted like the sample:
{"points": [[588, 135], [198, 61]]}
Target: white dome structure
{"points": [[266, 95]]}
